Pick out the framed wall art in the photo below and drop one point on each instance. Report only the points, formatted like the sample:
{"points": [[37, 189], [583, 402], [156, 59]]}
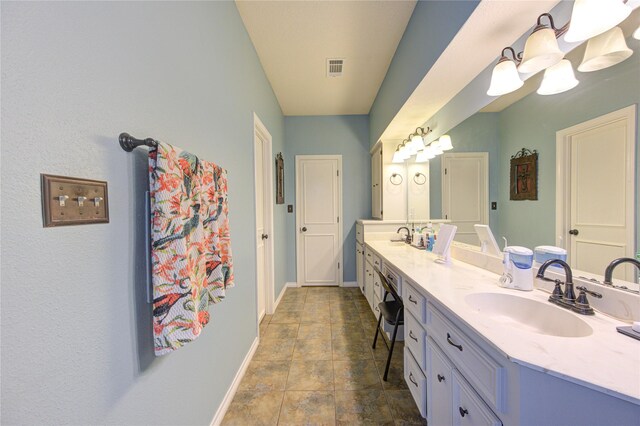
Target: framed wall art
{"points": [[279, 179], [524, 175]]}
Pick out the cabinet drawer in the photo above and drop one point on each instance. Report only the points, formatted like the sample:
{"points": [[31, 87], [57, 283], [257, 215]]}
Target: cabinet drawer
{"points": [[416, 382], [394, 278], [468, 407], [439, 380], [483, 372], [377, 262], [415, 338], [368, 255], [414, 302], [360, 233], [378, 290]]}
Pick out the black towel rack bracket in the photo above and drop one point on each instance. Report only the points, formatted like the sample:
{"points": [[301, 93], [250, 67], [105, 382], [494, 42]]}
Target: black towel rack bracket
{"points": [[129, 143]]}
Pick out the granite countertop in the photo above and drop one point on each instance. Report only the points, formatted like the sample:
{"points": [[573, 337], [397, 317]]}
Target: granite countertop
{"points": [[606, 360]]}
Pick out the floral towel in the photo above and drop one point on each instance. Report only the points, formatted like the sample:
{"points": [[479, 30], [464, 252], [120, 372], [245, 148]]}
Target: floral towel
{"points": [[190, 246]]}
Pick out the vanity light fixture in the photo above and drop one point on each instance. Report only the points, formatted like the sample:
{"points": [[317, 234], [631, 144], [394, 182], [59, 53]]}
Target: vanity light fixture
{"points": [[636, 33], [557, 79], [417, 141], [445, 142], [592, 17], [541, 48], [436, 148], [424, 156], [397, 156], [405, 152], [505, 78], [605, 50]]}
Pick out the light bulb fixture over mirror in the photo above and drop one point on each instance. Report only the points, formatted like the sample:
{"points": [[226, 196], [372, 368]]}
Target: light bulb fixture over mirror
{"points": [[505, 78], [557, 79], [605, 50], [397, 156], [541, 48], [445, 142], [592, 17]]}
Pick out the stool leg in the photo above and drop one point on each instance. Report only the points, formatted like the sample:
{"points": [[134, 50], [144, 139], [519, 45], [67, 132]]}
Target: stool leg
{"points": [[393, 342], [375, 339]]}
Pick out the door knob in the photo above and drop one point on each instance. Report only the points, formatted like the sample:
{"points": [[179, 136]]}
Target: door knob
{"points": [[303, 229], [573, 232], [265, 236]]}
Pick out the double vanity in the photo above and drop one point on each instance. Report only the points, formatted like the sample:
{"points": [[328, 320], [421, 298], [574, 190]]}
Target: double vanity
{"points": [[476, 353]]}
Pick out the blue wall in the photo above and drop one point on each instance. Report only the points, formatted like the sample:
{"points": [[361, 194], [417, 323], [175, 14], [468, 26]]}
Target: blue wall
{"points": [[478, 133], [347, 135], [431, 28], [76, 330]]}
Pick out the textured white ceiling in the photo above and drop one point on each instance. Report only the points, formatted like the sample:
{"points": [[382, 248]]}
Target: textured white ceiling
{"points": [[293, 40]]}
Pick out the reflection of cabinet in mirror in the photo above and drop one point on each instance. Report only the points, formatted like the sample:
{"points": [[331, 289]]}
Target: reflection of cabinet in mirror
{"points": [[399, 191]]}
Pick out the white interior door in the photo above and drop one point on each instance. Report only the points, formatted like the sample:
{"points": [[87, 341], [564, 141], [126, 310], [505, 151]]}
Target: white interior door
{"points": [[465, 192], [264, 224], [319, 208], [600, 202]]}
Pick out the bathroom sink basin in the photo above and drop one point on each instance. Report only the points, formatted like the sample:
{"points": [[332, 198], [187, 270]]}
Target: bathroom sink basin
{"points": [[530, 315], [396, 243]]}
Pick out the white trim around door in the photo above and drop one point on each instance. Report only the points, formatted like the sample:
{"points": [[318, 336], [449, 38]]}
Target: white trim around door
{"points": [[261, 132]]}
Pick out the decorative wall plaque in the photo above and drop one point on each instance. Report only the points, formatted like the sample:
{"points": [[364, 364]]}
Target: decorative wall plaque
{"points": [[279, 179], [524, 175]]}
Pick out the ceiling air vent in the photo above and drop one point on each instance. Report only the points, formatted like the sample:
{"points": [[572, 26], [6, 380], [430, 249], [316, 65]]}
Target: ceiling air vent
{"points": [[334, 67]]}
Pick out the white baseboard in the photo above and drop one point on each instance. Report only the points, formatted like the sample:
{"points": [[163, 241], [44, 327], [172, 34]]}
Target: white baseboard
{"points": [[275, 305], [350, 284], [291, 285], [224, 406]]}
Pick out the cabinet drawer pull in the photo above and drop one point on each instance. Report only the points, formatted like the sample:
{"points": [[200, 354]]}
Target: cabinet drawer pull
{"points": [[463, 411], [412, 300], [412, 380], [453, 344], [412, 336], [368, 254], [376, 284], [440, 378]]}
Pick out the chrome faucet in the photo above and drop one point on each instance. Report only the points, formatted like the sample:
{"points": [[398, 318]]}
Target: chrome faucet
{"points": [[568, 298], [608, 273], [408, 237]]}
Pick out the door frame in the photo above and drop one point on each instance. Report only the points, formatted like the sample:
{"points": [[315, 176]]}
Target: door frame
{"points": [[563, 174], [299, 158], [485, 181], [260, 130]]}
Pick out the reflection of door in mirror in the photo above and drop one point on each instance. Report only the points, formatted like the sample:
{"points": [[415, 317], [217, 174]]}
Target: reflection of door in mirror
{"points": [[595, 193], [465, 192]]}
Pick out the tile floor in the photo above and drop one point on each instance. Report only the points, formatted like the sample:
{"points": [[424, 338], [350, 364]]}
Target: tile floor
{"points": [[315, 366]]}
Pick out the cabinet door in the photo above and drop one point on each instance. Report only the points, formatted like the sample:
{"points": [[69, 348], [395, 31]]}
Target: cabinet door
{"points": [[360, 267], [439, 380], [376, 183], [468, 408], [368, 283]]}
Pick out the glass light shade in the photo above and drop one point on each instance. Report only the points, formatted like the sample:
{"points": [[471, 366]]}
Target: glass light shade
{"points": [[416, 143], [397, 156], [445, 142], [557, 79], [592, 17], [422, 157], [404, 152], [605, 50], [436, 149], [636, 34], [428, 153], [505, 78], [540, 51]]}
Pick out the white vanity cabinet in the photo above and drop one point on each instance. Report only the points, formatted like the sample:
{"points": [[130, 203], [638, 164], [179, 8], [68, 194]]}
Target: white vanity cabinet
{"points": [[440, 351], [360, 267]]}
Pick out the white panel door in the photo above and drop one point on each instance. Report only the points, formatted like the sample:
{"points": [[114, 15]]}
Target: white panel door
{"points": [[465, 192], [601, 199], [260, 231], [318, 200]]}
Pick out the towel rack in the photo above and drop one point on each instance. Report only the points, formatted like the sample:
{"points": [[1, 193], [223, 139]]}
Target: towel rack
{"points": [[129, 143]]}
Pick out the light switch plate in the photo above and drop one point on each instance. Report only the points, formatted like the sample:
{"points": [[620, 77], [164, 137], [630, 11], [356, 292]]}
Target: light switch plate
{"points": [[73, 201]]}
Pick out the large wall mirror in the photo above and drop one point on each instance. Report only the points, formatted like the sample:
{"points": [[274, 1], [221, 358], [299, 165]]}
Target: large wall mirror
{"points": [[599, 207]]}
